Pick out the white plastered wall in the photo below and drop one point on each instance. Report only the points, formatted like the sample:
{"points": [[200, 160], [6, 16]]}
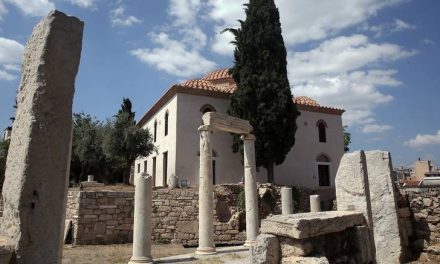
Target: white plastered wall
{"points": [[163, 143]]}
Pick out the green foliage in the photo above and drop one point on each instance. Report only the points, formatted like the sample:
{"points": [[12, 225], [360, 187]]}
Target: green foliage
{"points": [[4, 147], [241, 201], [124, 141], [263, 94], [347, 139], [87, 154]]}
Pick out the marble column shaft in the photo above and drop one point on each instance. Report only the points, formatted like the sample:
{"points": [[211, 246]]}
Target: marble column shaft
{"points": [[315, 203], [206, 217], [286, 201], [142, 220], [250, 186]]}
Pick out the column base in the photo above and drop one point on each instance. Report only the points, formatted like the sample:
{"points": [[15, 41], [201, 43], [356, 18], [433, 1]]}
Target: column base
{"points": [[135, 260], [205, 251], [248, 243]]}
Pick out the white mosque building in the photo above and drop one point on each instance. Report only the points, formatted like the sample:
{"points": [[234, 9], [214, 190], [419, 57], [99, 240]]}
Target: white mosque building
{"points": [[174, 119]]}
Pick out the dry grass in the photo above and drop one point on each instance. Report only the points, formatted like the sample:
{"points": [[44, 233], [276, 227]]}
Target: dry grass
{"points": [[115, 254]]}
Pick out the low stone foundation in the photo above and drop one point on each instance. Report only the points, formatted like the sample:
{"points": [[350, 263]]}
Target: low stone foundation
{"points": [[104, 215]]}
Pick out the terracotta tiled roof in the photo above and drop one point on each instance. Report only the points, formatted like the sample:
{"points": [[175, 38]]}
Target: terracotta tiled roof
{"points": [[217, 74], [220, 84], [411, 184], [304, 100], [200, 84]]}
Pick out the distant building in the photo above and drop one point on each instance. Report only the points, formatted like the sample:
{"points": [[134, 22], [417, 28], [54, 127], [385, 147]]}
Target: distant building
{"points": [[7, 133], [173, 121], [420, 168]]}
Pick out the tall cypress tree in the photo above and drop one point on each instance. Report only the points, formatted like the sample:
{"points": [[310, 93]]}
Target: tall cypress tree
{"points": [[263, 94]]}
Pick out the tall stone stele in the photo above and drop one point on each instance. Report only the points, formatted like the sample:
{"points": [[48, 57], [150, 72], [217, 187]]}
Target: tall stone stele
{"points": [[34, 192]]}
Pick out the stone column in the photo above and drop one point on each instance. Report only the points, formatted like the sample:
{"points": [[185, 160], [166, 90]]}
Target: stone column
{"points": [[206, 217], [286, 200], [315, 203], [250, 188], [142, 220], [37, 170]]}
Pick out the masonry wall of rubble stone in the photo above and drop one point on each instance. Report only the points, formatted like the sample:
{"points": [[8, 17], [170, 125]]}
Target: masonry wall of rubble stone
{"points": [[425, 218], [105, 216]]}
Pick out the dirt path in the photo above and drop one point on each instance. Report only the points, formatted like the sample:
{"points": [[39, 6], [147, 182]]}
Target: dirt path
{"points": [[115, 254]]}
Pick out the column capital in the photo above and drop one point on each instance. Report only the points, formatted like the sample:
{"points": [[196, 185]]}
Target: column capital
{"points": [[248, 137], [205, 128]]}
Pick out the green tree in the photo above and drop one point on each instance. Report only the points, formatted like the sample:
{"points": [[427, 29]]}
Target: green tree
{"points": [[347, 139], [263, 94], [4, 147], [125, 141], [87, 154]]}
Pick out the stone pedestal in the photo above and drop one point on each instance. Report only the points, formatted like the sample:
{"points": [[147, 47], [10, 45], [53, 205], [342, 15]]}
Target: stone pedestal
{"points": [[250, 189], [142, 220], [37, 170], [315, 203], [286, 200], [206, 217]]}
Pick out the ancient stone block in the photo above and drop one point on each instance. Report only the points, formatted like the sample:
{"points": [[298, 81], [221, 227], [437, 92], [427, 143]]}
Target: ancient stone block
{"points": [[37, 168], [265, 250], [384, 207], [295, 247], [362, 247], [352, 190], [305, 225]]}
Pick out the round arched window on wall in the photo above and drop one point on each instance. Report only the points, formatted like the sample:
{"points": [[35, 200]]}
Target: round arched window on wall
{"points": [[207, 108], [322, 125]]}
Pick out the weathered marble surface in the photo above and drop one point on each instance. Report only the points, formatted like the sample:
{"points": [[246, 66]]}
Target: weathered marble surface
{"points": [[265, 250], [305, 225], [384, 207], [222, 122], [34, 192]]}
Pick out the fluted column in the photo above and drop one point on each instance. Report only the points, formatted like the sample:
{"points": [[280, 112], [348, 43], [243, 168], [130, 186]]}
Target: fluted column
{"points": [[142, 220], [206, 217], [250, 188]]}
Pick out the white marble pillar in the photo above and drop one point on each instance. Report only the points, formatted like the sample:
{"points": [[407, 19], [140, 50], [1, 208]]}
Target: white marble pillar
{"points": [[250, 188], [206, 216], [315, 203], [286, 201], [142, 220]]}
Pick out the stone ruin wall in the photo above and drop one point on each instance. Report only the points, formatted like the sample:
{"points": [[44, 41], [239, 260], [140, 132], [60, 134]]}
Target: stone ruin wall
{"points": [[420, 213], [106, 217]]}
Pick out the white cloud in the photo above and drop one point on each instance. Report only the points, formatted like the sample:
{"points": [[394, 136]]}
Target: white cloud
{"points": [[375, 128], [118, 18], [428, 41], [221, 43], [184, 11], [11, 52], [424, 140], [83, 3], [174, 57], [33, 8], [341, 54], [386, 28], [343, 72], [6, 76]]}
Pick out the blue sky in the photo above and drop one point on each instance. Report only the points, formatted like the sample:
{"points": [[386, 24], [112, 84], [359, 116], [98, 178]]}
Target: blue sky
{"points": [[378, 59]]}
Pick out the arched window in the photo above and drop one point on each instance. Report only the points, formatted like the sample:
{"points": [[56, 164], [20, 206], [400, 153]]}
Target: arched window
{"points": [[155, 131], [207, 108], [323, 162], [321, 130], [166, 123]]}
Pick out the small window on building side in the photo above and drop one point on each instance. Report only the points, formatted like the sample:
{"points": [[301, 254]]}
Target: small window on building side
{"points": [[322, 131], [207, 108], [139, 167], [155, 131], [323, 170], [166, 123], [145, 166]]}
